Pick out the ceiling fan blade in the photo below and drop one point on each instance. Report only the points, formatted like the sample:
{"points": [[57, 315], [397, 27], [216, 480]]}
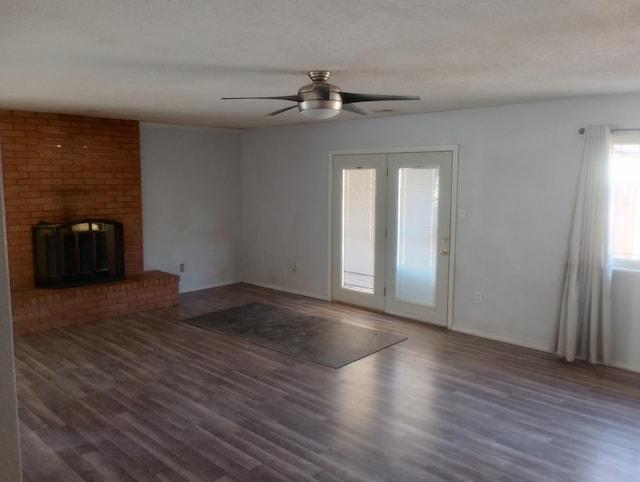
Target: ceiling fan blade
{"points": [[294, 98], [282, 110], [356, 109], [322, 89], [349, 97]]}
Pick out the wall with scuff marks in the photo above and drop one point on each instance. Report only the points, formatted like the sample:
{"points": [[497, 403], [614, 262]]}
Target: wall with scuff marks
{"points": [[191, 203], [518, 176]]}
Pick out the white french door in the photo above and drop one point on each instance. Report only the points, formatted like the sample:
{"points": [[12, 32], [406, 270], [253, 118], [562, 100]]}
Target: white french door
{"points": [[391, 232]]}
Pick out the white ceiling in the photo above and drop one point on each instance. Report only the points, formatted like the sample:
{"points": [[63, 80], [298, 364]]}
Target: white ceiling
{"points": [[172, 60]]}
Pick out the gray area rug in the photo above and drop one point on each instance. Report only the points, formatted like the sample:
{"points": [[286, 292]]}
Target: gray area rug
{"points": [[330, 343]]}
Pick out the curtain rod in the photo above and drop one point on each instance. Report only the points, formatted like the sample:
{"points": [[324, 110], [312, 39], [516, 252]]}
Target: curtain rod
{"points": [[581, 131]]}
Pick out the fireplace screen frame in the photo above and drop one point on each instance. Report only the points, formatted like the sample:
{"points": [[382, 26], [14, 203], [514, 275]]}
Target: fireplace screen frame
{"points": [[77, 253]]}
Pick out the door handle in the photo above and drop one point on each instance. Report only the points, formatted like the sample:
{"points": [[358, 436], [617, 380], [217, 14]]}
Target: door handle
{"points": [[444, 251]]}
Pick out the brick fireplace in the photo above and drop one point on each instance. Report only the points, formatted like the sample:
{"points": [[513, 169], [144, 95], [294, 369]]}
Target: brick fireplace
{"points": [[58, 168]]}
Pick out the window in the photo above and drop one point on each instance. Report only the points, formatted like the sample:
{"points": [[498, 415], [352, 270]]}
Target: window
{"points": [[625, 200]]}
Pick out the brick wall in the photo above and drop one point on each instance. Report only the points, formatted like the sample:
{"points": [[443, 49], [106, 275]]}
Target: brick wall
{"points": [[58, 168]]}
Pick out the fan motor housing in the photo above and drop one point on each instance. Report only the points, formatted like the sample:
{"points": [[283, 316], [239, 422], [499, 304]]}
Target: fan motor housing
{"points": [[309, 99]]}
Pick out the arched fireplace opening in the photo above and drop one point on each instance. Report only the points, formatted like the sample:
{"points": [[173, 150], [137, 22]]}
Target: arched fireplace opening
{"points": [[77, 253]]}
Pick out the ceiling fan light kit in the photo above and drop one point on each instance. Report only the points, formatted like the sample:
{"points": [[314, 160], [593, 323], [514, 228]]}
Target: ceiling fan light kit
{"points": [[322, 100], [319, 112]]}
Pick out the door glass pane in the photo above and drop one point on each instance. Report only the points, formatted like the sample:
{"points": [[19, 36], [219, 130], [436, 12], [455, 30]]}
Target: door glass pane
{"points": [[417, 232], [358, 228]]}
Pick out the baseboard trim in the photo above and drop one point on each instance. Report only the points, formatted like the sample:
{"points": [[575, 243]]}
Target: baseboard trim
{"points": [[501, 339], [206, 287], [286, 289]]}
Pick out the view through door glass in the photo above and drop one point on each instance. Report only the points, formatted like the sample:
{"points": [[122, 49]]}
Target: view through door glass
{"points": [[417, 231], [358, 229]]}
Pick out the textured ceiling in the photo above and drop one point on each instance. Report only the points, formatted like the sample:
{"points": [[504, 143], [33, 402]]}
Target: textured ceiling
{"points": [[172, 60]]}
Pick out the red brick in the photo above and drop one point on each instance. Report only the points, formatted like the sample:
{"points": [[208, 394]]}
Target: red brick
{"points": [[33, 167], [20, 329], [43, 168], [40, 328]]}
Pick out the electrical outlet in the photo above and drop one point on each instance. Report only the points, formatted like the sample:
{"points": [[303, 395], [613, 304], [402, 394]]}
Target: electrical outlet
{"points": [[478, 297], [182, 267]]}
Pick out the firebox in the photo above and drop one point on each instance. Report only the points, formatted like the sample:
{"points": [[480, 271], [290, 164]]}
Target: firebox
{"points": [[78, 253]]}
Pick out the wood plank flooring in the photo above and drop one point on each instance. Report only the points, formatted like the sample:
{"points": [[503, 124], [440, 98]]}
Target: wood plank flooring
{"points": [[146, 398]]}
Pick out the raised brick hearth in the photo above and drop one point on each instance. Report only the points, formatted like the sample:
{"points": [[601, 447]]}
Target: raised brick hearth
{"points": [[58, 168], [36, 310]]}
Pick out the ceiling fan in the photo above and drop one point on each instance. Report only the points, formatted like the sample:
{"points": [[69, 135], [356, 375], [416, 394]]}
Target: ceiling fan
{"points": [[322, 100]]}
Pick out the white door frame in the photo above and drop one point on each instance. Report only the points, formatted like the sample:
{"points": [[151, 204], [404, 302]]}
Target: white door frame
{"points": [[454, 210]]}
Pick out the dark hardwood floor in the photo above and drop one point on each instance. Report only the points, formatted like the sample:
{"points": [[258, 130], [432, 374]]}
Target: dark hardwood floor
{"points": [[145, 397]]}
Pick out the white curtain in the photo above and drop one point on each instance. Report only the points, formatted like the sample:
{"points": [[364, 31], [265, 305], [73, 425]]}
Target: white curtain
{"points": [[585, 330]]}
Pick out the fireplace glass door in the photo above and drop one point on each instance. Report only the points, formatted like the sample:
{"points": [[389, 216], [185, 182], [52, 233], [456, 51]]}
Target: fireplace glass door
{"points": [[80, 252]]}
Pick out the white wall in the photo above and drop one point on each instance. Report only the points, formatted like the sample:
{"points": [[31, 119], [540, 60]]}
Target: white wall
{"points": [[191, 203], [10, 470], [518, 171]]}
